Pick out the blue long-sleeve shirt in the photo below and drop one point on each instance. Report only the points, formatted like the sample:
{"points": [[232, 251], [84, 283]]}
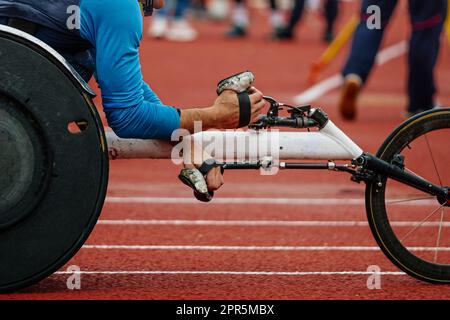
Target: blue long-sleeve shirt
{"points": [[112, 31], [114, 28]]}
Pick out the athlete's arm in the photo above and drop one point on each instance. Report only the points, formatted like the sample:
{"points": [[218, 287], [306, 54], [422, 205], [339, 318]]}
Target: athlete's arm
{"points": [[150, 95], [116, 31], [224, 114], [114, 27]]}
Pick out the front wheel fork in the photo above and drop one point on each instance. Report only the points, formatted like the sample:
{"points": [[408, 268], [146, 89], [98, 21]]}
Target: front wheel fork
{"points": [[396, 171]]}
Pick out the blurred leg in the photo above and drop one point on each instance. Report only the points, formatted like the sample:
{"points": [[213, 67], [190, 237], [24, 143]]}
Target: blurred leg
{"points": [[331, 12], [164, 11], [180, 9], [181, 30], [240, 20], [296, 15], [159, 22], [287, 33], [366, 43], [273, 4], [276, 18], [427, 19]]}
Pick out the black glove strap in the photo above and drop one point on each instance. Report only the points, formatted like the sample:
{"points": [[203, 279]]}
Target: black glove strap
{"points": [[244, 109], [207, 166]]}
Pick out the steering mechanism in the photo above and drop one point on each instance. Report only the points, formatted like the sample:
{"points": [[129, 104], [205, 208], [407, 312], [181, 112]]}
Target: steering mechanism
{"points": [[300, 117]]}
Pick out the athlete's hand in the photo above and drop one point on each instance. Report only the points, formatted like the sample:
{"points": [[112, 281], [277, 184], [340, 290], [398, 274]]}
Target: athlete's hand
{"points": [[196, 157], [224, 114], [214, 179], [226, 108]]}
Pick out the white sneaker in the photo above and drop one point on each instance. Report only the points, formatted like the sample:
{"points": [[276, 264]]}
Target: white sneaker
{"points": [[158, 27], [181, 31]]}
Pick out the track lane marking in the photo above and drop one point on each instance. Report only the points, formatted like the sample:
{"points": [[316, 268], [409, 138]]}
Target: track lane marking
{"points": [[250, 248], [263, 223], [245, 273], [238, 200]]}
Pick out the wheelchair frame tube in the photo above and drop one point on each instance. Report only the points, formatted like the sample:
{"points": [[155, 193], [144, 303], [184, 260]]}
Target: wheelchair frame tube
{"points": [[330, 143]]}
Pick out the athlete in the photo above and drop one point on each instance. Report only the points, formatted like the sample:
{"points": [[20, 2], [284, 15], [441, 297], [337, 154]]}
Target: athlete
{"points": [[103, 39], [427, 20], [330, 13]]}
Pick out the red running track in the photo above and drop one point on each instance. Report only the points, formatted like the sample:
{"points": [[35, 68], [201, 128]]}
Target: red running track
{"points": [[316, 243]]}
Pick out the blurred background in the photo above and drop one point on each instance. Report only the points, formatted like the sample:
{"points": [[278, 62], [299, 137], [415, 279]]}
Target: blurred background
{"points": [[191, 44]]}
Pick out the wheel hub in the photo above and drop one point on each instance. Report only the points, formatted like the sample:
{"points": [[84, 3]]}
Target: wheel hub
{"points": [[445, 201], [21, 165]]}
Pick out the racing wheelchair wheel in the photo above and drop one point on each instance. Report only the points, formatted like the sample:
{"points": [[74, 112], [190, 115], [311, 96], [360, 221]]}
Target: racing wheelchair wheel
{"points": [[411, 227], [53, 161]]}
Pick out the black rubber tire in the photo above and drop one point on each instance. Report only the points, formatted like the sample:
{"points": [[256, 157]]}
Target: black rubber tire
{"points": [[375, 199], [45, 239]]}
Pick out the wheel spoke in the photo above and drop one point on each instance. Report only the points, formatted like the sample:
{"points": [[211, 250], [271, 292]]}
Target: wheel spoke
{"points": [[409, 200], [439, 235], [421, 222], [432, 158]]}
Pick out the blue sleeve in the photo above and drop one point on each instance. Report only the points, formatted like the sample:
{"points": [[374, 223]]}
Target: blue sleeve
{"points": [[116, 31], [149, 95]]}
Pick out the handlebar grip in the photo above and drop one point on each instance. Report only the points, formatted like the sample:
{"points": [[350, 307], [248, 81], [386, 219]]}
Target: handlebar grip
{"points": [[239, 82], [195, 180]]}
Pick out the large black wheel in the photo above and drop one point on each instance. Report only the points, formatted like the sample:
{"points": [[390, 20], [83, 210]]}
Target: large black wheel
{"points": [[411, 227], [53, 164]]}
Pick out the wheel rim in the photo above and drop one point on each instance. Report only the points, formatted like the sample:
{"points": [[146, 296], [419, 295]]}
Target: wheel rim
{"points": [[421, 222], [389, 227], [74, 182]]}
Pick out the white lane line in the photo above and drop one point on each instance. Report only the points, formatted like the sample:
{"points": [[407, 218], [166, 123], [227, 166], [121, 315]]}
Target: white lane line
{"points": [[257, 223], [239, 273], [251, 248], [335, 81], [283, 201], [392, 52], [319, 89]]}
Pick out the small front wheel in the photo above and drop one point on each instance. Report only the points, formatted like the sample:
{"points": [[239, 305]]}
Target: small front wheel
{"points": [[412, 227]]}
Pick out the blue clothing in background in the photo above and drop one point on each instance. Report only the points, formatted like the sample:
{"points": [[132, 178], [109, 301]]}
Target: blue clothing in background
{"points": [[180, 9], [427, 19]]}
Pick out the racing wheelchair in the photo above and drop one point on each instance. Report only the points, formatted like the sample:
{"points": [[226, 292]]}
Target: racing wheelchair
{"points": [[54, 156]]}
